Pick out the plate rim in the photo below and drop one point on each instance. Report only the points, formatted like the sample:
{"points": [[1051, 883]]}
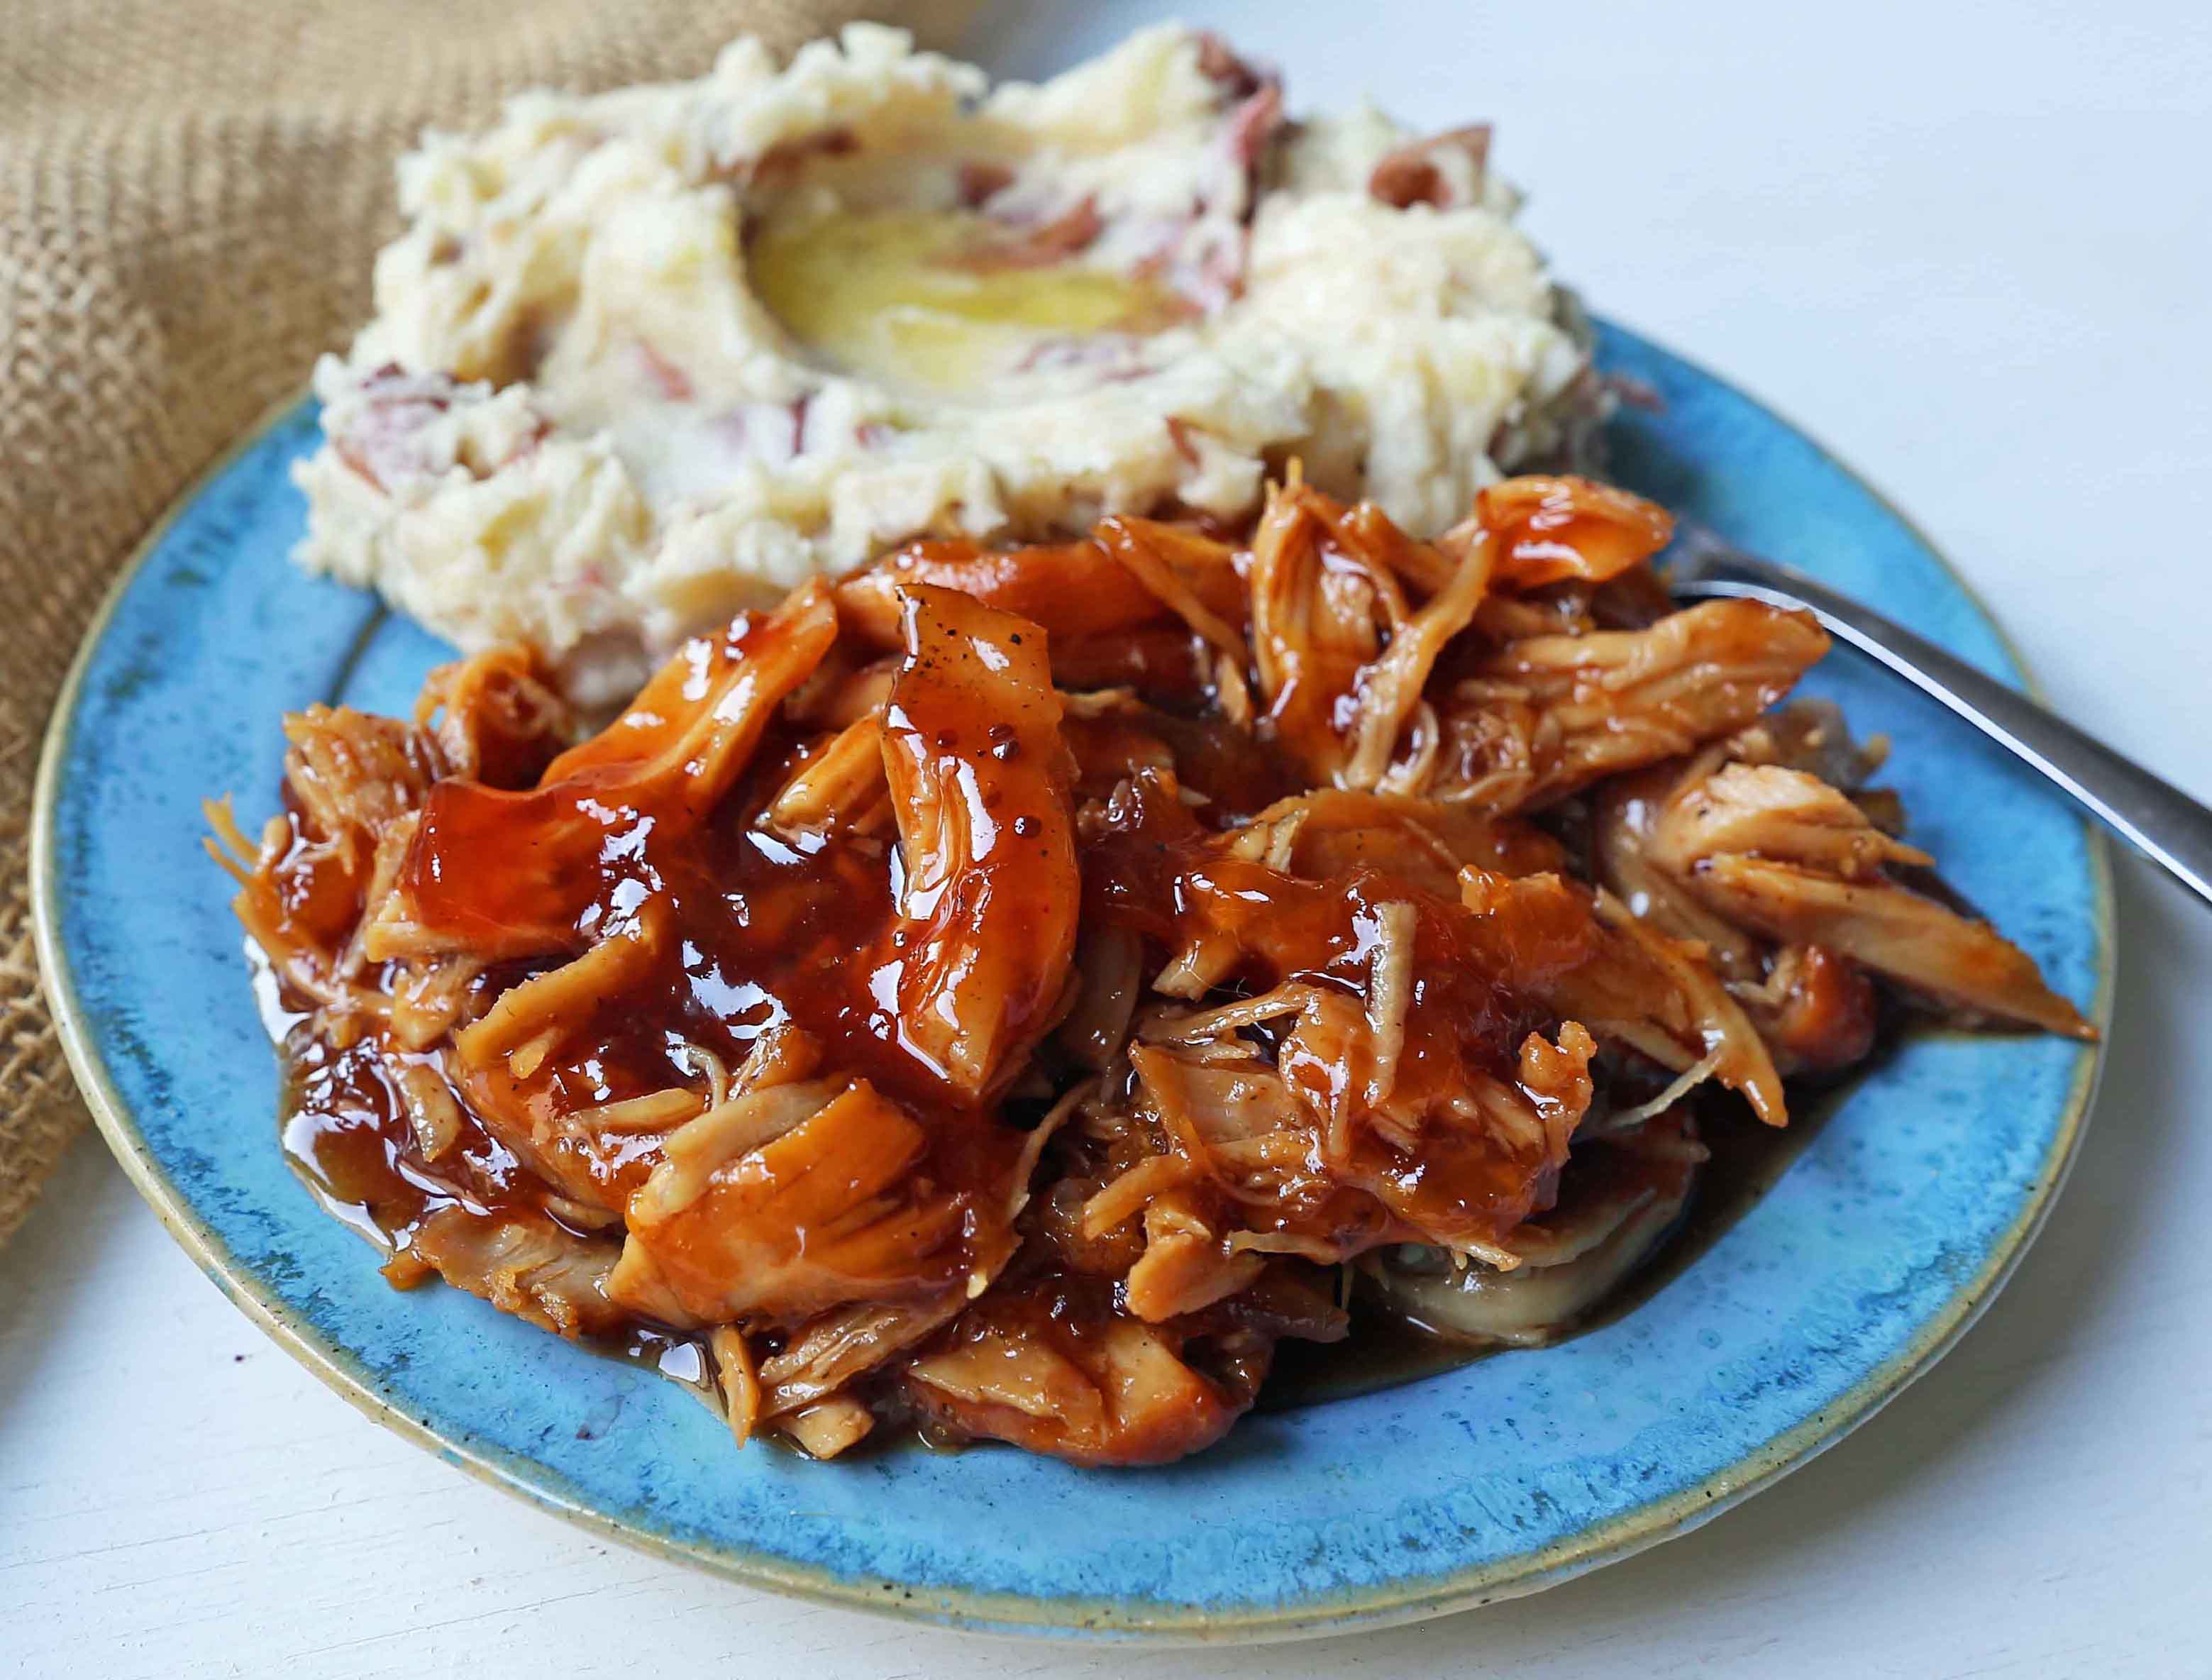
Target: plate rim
{"points": [[1020, 1614]]}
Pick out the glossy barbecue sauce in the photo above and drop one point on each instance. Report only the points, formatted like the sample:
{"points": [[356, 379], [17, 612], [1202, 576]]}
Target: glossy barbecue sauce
{"points": [[761, 927]]}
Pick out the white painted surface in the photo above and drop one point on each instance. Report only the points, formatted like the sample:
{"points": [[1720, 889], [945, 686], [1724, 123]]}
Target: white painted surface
{"points": [[1971, 246]]}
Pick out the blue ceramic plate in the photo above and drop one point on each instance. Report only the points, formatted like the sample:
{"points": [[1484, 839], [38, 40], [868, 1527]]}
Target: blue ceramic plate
{"points": [[1868, 1259]]}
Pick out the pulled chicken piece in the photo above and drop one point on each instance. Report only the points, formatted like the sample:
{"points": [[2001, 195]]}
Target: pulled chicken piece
{"points": [[1784, 853]]}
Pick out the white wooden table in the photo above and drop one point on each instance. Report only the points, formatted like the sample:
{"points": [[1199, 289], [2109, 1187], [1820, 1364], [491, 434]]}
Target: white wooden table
{"points": [[1971, 246]]}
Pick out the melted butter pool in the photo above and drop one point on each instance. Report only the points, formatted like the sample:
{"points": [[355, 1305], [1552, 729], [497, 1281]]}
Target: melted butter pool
{"points": [[901, 297]]}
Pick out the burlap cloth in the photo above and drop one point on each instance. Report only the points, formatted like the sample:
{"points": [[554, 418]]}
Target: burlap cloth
{"points": [[190, 191]]}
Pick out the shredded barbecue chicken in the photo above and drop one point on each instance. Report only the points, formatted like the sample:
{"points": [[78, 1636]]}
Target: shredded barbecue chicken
{"points": [[999, 993]]}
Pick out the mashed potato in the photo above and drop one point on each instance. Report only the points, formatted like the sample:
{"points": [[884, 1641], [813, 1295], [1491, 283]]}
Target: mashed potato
{"points": [[641, 359]]}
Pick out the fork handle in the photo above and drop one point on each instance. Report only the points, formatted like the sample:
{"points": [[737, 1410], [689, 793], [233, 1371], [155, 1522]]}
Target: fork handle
{"points": [[2154, 816]]}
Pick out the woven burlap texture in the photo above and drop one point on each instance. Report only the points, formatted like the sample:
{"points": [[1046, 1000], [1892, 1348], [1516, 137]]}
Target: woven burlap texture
{"points": [[191, 192]]}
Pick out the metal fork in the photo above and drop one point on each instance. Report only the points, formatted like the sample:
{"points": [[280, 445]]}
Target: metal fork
{"points": [[2155, 817]]}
